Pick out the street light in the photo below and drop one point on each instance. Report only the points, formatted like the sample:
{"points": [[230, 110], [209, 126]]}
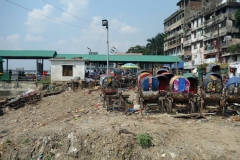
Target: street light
{"points": [[105, 23], [89, 50], [115, 48]]}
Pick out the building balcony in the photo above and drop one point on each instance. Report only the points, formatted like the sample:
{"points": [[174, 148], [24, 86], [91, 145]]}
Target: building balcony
{"points": [[172, 46], [219, 4], [173, 26], [201, 25], [174, 34], [210, 50], [229, 43], [187, 43], [230, 54], [210, 60], [219, 18]]}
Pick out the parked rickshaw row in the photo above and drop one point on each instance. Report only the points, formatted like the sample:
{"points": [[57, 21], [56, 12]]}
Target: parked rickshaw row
{"points": [[168, 93]]}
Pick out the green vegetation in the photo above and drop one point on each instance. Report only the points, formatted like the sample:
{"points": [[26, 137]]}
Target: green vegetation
{"points": [[137, 49], [5, 131], [222, 65], [145, 140], [7, 141], [234, 48], [60, 144], [237, 22], [26, 140], [154, 46]]}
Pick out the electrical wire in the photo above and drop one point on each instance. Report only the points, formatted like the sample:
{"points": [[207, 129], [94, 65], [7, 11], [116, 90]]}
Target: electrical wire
{"points": [[48, 16], [68, 12]]}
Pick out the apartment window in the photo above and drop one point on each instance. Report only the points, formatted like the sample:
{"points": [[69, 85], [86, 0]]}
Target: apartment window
{"points": [[201, 44], [67, 70], [195, 46], [195, 35]]}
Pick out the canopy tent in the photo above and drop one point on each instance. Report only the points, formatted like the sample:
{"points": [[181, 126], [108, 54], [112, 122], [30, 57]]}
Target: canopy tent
{"points": [[129, 66]]}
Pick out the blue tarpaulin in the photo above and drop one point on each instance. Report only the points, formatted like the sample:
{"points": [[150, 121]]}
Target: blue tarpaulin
{"points": [[181, 84], [173, 65]]}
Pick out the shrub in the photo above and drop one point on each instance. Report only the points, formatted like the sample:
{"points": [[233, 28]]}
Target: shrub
{"points": [[145, 140]]}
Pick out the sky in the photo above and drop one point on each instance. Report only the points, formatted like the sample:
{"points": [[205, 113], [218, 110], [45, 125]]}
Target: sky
{"points": [[73, 26]]}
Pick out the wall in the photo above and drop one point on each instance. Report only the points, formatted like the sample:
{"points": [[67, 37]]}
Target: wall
{"points": [[57, 70], [14, 88]]}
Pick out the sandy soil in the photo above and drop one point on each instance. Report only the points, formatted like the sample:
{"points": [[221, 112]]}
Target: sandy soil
{"points": [[74, 125]]}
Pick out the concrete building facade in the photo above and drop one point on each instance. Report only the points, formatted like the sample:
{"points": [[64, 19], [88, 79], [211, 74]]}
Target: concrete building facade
{"points": [[67, 69], [207, 30]]}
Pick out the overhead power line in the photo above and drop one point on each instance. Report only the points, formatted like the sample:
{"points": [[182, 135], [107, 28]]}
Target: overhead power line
{"points": [[47, 16], [67, 12]]}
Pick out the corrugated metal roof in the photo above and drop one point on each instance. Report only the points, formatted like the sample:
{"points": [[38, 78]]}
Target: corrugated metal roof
{"points": [[27, 54], [124, 58]]}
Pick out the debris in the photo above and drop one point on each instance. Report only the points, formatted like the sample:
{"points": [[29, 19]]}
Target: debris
{"points": [[236, 118], [163, 155], [173, 155]]}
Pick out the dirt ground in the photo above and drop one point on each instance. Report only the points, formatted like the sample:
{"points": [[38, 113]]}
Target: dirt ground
{"points": [[74, 125]]}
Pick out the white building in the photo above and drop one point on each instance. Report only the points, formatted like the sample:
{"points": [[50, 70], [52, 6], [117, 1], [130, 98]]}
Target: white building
{"points": [[67, 69]]}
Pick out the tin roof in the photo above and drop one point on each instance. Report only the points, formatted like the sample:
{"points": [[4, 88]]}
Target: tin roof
{"points": [[124, 58], [27, 54]]}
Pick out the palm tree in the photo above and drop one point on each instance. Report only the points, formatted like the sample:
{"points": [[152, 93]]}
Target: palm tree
{"points": [[156, 44]]}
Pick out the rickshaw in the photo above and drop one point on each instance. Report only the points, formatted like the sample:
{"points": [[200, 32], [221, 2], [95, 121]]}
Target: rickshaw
{"points": [[163, 90], [112, 99], [211, 91], [193, 88], [147, 91], [179, 99], [232, 94]]}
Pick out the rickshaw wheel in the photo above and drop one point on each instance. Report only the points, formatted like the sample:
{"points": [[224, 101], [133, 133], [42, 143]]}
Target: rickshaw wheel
{"points": [[200, 108], [168, 104], [162, 106], [107, 101], [103, 101], [224, 108], [121, 105], [192, 107], [141, 107]]}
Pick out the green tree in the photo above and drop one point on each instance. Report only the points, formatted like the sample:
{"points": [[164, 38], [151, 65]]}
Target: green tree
{"points": [[237, 22], [156, 44], [234, 48], [137, 49]]}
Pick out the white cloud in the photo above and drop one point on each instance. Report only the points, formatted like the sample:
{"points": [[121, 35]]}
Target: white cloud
{"points": [[37, 23], [29, 37], [74, 7], [123, 27], [13, 38], [128, 29]]}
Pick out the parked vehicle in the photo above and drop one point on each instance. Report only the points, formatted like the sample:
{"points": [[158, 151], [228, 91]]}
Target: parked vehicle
{"points": [[148, 92]]}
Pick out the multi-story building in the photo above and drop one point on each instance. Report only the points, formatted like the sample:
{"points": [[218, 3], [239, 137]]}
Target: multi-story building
{"points": [[207, 29], [219, 29]]}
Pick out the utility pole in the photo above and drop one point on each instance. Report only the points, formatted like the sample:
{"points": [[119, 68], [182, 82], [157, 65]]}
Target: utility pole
{"points": [[105, 23], [218, 45]]}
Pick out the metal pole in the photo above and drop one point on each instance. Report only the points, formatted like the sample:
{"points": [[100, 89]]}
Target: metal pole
{"points": [[107, 51], [36, 70], [218, 58], [7, 66]]}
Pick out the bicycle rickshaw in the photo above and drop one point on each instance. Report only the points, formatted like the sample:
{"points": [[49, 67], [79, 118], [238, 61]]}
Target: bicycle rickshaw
{"points": [[112, 99]]}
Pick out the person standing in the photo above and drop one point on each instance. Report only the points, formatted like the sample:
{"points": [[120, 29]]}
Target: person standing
{"points": [[10, 74]]}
